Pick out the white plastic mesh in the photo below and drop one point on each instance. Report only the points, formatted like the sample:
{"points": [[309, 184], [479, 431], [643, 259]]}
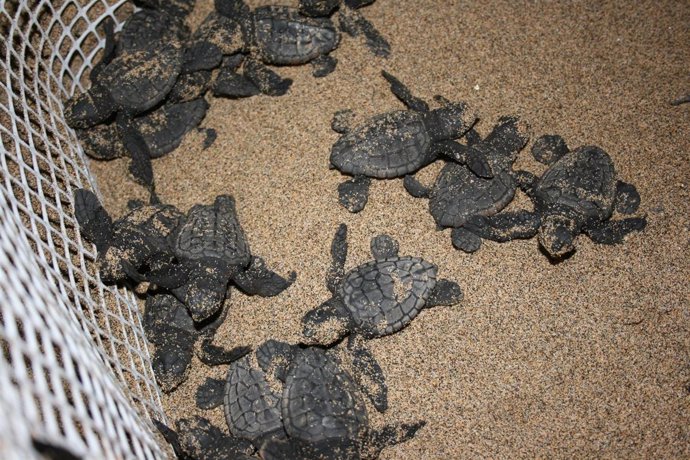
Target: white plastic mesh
{"points": [[74, 369]]}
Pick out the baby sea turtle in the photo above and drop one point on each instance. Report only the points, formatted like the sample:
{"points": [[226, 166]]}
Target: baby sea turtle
{"points": [[169, 326], [399, 143], [471, 205], [133, 244], [211, 249], [296, 402], [578, 194], [376, 298], [196, 438]]}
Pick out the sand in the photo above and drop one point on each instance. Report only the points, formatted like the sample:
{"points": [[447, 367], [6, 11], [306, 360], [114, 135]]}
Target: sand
{"points": [[587, 358]]}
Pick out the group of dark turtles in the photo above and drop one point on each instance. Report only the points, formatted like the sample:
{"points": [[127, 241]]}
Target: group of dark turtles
{"points": [[306, 400]]}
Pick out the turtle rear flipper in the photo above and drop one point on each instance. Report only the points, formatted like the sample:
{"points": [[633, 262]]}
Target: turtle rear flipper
{"points": [[94, 221], [268, 82], [403, 93], [391, 435], [415, 188], [627, 198], [465, 240], [614, 231], [354, 194], [367, 373], [257, 279], [505, 226], [210, 394], [446, 293], [323, 65]]}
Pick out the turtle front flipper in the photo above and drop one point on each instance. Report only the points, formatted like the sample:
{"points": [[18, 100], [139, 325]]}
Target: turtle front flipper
{"points": [[415, 188], [464, 240], [681, 100], [268, 82], [323, 65], [336, 272], [390, 435], [140, 166], [326, 324], [210, 394], [368, 373], [505, 226], [233, 85], [257, 279], [354, 194], [627, 198], [354, 24], [94, 221], [445, 293], [614, 231], [404, 94], [472, 157]]}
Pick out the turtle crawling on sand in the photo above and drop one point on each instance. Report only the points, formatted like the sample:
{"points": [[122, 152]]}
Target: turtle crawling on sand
{"points": [[131, 245], [196, 438], [169, 326], [472, 205], [398, 143], [376, 298], [296, 402], [211, 249], [578, 194]]}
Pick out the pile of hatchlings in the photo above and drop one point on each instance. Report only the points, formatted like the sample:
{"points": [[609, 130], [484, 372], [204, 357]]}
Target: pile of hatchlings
{"points": [[289, 401]]}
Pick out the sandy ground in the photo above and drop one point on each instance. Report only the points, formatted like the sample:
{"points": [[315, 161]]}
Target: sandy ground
{"points": [[587, 358]]}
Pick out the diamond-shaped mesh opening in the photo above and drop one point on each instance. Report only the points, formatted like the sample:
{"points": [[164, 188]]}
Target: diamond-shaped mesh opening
{"points": [[75, 369]]}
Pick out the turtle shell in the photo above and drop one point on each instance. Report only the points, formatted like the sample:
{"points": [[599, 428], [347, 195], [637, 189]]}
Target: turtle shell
{"points": [[459, 194], [584, 180], [164, 128], [384, 296], [321, 400], [213, 232], [166, 310], [284, 37], [139, 80], [252, 408], [388, 145]]}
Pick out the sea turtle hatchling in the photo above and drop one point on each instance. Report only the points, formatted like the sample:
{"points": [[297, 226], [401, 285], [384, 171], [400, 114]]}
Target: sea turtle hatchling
{"points": [[376, 298], [211, 250], [297, 402], [196, 438], [578, 194], [169, 326], [398, 143], [472, 205], [133, 244]]}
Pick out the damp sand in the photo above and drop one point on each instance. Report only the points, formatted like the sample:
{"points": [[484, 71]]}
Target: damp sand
{"points": [[586, 358]]}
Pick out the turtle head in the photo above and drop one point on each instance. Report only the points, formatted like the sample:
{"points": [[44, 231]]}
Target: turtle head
{"points": [[317, 8], [450, 121], [557, 235], [205, 294], [326, 324], [110, 266]]}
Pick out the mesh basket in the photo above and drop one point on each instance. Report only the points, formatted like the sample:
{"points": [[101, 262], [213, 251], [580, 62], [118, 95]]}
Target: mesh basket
{"points": [[75, 370]]}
